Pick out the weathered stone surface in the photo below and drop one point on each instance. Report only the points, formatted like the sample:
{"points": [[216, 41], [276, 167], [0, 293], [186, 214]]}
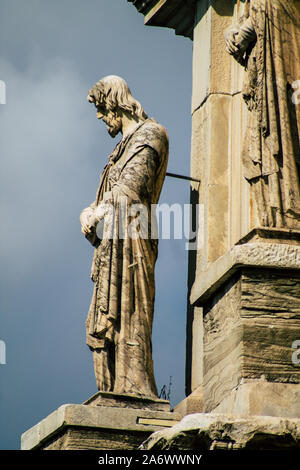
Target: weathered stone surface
{"points": [[212, 171], [271, 235], [73, 438], [223, 347], [269, 255], [126, 400], [197, 349], [211, 66], [191, 404], [93, 427], [249, 331], [221, 431], [263, 398]]}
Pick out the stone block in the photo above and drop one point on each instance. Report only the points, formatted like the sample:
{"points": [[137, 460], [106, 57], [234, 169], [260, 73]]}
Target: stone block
{"points": [[191, 404], [210, 164], [262, 398], [269, 248], [251, 318], [91, 427], [211, 431], [249, 331], [211, 64], [127, 400]]}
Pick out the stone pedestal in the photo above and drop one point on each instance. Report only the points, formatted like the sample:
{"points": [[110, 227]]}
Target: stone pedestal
{"points": [[106, 421], [250, 299]]}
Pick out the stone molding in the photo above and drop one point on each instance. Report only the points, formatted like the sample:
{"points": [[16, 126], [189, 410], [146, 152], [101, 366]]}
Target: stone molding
{"points": [[175, 14], [266, 254], [128, 400]]}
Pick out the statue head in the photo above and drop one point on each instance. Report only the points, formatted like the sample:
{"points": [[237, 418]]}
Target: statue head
{"points": [[112, 98]]}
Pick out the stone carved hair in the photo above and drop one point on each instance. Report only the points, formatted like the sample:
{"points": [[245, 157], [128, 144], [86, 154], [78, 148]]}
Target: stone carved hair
{"points": [[113, 92]]}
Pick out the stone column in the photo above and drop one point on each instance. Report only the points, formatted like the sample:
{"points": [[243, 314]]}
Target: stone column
{"points": [[218, 121]]}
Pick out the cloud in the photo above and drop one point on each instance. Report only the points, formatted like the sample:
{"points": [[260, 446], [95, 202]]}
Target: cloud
{"points": [[47, 142]]}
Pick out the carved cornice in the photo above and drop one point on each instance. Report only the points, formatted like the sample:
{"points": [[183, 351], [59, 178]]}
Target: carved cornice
{"points": [[175, 14]]}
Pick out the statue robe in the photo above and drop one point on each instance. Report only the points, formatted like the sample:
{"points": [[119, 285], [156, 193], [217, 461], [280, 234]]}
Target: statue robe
{"points": [[119, 322], [271, 154]]}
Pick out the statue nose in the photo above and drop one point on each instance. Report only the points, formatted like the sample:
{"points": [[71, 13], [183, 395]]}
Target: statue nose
{"points": [[99, 115]]}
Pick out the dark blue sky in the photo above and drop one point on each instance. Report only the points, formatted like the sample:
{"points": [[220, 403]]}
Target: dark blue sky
{"points": [[52, 151]]}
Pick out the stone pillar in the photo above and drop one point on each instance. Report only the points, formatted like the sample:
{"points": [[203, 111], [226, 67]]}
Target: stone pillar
{"points": [[218, 121]]}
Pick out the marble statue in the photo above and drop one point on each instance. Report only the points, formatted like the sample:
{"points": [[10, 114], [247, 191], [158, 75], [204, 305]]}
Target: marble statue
{"points": [[119, 322], [267, 44]]}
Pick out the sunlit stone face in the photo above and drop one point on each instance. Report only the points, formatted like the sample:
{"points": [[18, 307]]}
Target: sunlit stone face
{"points": [[112, 120]]}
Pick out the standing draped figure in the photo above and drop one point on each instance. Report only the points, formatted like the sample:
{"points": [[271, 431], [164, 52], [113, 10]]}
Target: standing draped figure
{"points": [[268, 45], [119, 322]]}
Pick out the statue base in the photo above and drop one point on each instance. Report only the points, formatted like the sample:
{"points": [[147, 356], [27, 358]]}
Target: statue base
{"points": [[106, 421], [128, 400], [250, 300]]}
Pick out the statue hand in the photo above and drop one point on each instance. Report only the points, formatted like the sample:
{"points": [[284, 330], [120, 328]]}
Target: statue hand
{"points": [[85, 220], [230, 36], [86, 229]]}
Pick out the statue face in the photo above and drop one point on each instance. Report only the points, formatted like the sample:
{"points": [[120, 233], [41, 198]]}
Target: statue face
{"points": [[112, 120]]}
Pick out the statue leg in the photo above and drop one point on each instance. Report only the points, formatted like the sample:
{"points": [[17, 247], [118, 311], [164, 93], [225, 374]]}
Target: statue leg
{"points": [[104, 366], [266, 194]]}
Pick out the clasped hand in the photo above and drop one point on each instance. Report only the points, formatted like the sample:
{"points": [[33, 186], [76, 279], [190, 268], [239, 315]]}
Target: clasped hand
{"points": [[89, 218]]}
